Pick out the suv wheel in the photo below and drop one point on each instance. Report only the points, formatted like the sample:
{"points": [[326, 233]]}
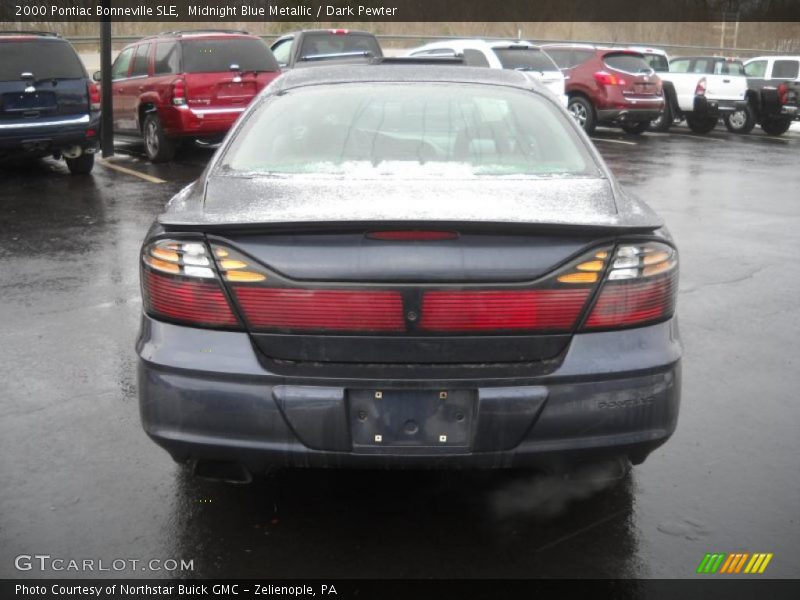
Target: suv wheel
{"points": [[776, 126], [81, 165], [701, 124], [583, 112], [635, 128], [159, 147], [740, 121]]}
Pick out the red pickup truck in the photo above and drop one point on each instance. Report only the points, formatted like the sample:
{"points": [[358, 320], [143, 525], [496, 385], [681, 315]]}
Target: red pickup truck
{"points": [[187, 85]]}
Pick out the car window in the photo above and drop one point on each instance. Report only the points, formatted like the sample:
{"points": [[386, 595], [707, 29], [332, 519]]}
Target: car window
{"points": [[561, 57], [141, 60], [525, 59], [334, 43], [45, 60], [626, 62], [679, 65], [701, 65], [475, 58], [757, 68], [217, 55], [120, 68], [785, 69], [281, 51], [728, 67], [657, 62], [167, 60], [374, 130]]}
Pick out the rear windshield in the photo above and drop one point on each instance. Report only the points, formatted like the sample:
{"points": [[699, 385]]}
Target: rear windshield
{"points": [[315, 45], [45, 60], [215, 55], [629, 63], [525, 59], [368, 130]]}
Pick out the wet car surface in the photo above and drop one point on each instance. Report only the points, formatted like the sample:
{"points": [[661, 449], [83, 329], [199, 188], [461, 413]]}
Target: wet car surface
{"points": [[81, 479]]}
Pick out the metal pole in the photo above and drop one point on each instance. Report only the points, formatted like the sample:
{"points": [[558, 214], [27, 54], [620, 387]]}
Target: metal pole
{"points": [[107, 123]]}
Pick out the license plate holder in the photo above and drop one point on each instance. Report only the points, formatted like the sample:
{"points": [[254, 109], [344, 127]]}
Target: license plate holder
{"points": [[411, 419]]}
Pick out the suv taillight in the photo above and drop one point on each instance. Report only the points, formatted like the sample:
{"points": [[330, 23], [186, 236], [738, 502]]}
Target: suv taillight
{"points": [[700, 88], [179, 92], [605, 78], [641, 287], [94, 96], [180, 283]]}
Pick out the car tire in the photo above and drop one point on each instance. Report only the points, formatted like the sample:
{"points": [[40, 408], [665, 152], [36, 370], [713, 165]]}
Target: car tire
{"points": [[635, 128], [740, 121], [158, 147], [776, 126], [663, 122], [583, 112], [81, 165], [701, 124]]}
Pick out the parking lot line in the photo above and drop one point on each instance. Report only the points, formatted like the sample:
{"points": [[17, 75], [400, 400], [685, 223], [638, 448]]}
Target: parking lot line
{"points": [[128, 171], [596, 139], [704, 138]]}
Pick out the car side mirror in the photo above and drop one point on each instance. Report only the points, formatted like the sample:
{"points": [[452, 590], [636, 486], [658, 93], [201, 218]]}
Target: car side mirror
{"points": [[97, 76], [234, 67]]}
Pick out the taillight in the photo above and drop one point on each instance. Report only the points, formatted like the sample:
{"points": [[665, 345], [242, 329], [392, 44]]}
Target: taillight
{"points": [[179, 92], [783, 93], [94, 95], [269, 302], [180, 283], [640, 287], [605, 78], [339, 31], [700, 88]]}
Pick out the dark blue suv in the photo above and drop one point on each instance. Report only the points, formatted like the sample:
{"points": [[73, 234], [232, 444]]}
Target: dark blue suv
{"points": [[48, 104]]}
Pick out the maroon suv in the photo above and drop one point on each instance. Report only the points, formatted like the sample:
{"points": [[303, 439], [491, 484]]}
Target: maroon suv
{"points": [[191, 84], [608, 86]]}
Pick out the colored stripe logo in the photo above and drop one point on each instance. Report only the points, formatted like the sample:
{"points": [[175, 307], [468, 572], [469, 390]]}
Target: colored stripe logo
{"points": [[735, 563]]}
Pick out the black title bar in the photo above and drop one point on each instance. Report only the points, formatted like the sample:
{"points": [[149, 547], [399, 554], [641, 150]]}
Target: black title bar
{"points": [[310, 11]]}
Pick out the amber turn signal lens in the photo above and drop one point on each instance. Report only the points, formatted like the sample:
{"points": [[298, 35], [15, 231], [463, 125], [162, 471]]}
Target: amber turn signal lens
{"points": [[592, 265], [232, 264], [244, 276], [578, 278], [162, 265]]}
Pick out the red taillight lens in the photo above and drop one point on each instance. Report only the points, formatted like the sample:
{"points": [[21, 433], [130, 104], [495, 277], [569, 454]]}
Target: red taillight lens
{"points": [[412, 235], [179, 92], [640, 288], [323, 310], [783, 93], [529, 310], [700, 88], [94, 96], [179, 283], [605, 78], [200, 303]]}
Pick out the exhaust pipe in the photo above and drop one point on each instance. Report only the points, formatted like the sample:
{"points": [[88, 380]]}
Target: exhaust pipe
{"points": [[222, 470]]}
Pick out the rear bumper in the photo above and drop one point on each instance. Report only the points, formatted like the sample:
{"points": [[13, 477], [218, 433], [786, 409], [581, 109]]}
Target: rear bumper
{"points": [[709, 107], [45, 136], [204, 395], [630, 115], [185, 121]]}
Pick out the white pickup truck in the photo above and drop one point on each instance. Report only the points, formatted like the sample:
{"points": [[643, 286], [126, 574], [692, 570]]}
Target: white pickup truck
{"points": [[701, 89]]}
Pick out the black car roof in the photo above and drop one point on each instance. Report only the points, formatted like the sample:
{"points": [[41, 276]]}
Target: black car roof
{"points": [[402, 73]]}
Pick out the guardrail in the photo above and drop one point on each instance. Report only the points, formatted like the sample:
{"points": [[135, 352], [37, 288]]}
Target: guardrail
{"points": [[407, 40]]}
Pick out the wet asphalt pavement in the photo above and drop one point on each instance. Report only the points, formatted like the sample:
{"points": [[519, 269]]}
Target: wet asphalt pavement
{"points": [[81, 480]]}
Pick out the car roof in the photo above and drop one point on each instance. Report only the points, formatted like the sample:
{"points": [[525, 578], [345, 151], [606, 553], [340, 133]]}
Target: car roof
{"points": [[403, 73], [781, 57], [648, 50]]}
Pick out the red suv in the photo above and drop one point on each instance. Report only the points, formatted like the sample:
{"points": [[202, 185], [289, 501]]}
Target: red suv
{"points": [[609, 86], [191, 84]]}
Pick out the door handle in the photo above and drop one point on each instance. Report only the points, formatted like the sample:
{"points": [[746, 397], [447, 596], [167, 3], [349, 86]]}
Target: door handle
{"points": [[726, 81], [141, 88]]}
